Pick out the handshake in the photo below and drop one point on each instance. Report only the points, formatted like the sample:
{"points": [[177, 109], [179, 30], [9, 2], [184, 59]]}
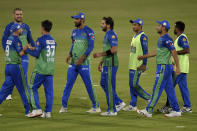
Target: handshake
{"points": [[28, 46]]}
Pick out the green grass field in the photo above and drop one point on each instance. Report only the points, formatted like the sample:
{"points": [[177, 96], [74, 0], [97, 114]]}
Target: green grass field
{"points": [[59, 12]]}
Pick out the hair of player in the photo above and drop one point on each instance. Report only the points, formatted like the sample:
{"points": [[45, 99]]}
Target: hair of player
{"points": [[17, 9], [180, 25], [47, 25], [109, 21]]}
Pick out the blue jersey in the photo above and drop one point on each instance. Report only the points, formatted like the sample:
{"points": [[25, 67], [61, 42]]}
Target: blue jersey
{"points": [[25, 38], [110, 40], [13, 47], [164, 47], [183, 42], [82, 44], [45, 55]]}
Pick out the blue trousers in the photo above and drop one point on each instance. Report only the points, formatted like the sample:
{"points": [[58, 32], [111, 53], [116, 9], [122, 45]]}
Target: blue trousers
{"points": [[36, 81], [135, 88], [181, 80], [25, 65], [14, 76], [72, 74], [163, 81], [108, 83]]}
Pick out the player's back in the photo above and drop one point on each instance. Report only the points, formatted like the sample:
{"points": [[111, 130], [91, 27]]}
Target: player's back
{"points": [[45, 62], [12, 48]]}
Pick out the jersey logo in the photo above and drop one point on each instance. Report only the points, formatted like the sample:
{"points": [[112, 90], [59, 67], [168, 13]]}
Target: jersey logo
{"points": [[171, 43], [144, 38], [37, 43], [19, 44], [8, 42], [50, 42], [113, 36], [184, 39]]}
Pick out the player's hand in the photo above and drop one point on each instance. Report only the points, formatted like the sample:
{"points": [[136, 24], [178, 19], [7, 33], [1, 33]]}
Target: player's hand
{"points": [[100, 66], [25, 47], [30, 47], [68, 59], [97, 55], [140, 57], [178, 71], [80, 60], [141, 68]]}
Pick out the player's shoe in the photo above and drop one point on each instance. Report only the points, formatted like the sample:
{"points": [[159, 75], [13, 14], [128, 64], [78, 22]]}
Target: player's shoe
{"points": [[186, 110], [63, 110], [165, 109], [130, 108], [9, 97], [173, 114], [144, 113], [120, 106], [109, 113], [35, 113], [94, 110], [46, 115]]}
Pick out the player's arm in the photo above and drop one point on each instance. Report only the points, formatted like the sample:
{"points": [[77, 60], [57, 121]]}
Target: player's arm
{"points": [[144, 45], [91, 38], [176, 60], [29, 37], [5, 36], [36, 51], [183, 42], [151, 54], [18, 47], [114, 47]]}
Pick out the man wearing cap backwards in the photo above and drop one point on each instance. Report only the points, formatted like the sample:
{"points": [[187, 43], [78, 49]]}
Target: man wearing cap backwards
{"points": [[139, 46], [82, 45], [165, 49], [182, 47], [25, 38], [14, 73], [110, 67]]}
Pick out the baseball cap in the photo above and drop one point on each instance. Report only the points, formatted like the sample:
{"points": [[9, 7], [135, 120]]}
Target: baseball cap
{"points": [[164, 23], [15, 27], [80, 15], [138, 21]]}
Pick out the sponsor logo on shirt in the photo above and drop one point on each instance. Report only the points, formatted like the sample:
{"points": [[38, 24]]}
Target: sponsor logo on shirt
{"points": [[8, 42], [50, 42]]}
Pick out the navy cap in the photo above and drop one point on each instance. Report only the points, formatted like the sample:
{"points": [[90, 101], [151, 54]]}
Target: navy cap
{"points": [[138, 21], [164, 23], [15, 27], [80, 15]]}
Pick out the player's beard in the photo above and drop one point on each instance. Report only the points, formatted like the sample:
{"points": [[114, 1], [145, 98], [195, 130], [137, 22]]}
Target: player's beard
{"points": [[159, 31], [77, 24], [175, 32], [18, 20], [105, 29]]}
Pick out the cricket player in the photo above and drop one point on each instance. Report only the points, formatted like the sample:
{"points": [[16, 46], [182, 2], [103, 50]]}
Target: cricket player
{"points": [[139, 46], [44, 52], [165, 49], [110, 67], [182, 47], [82, 45], [14, 73], [25, 38]]}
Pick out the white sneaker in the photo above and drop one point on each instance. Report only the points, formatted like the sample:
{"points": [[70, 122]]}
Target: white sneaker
{"points": [[46, 115], [144, 113], [173, 114], [63, 110], [130, 108], [109, 113], [9, 97], [120, 106], [35, 113], [94, 110], [186, 110]]}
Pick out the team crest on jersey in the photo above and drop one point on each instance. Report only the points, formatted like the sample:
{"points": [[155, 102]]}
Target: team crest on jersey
{"points": [[184, 39], [144, 38], [37, 43], [113, 36], [19, 44]]}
